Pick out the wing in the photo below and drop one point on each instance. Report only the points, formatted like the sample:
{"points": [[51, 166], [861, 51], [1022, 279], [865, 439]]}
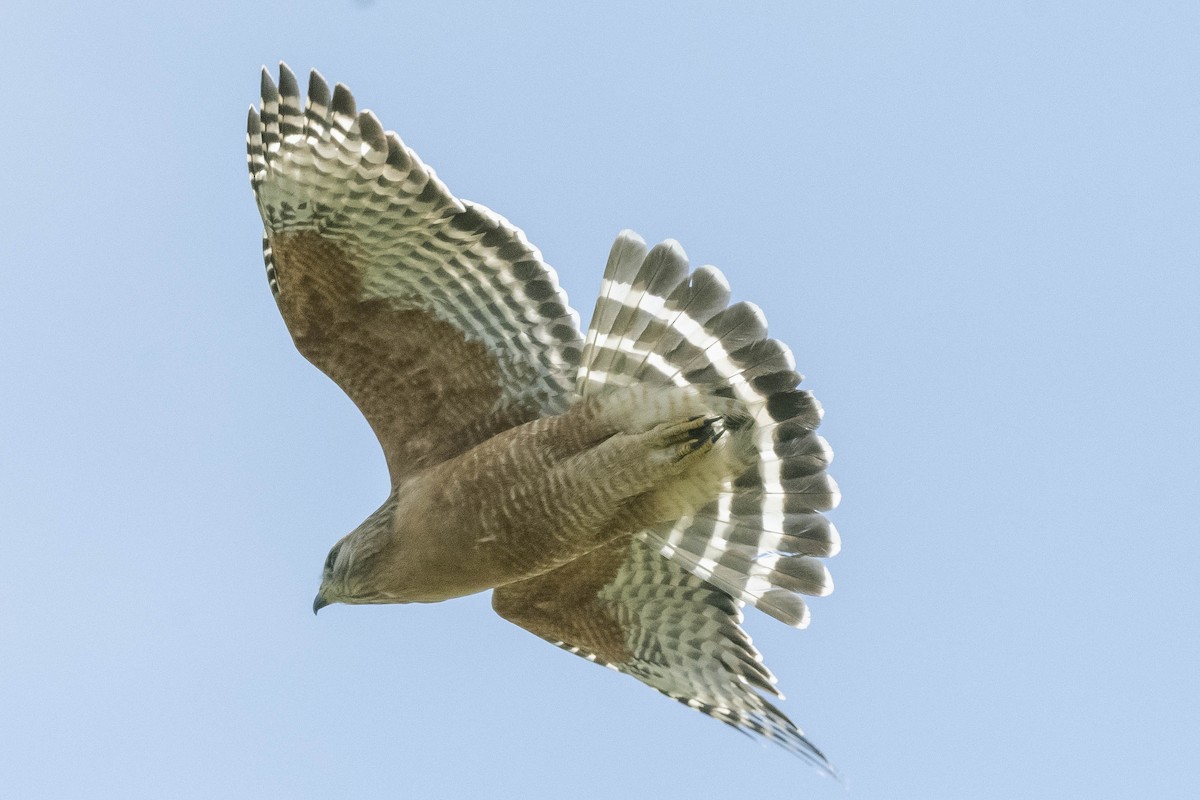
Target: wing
{"points": [[435, 315], [630, 609]]}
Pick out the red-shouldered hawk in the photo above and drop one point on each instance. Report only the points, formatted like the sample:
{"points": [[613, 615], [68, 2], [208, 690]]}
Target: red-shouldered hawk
{"points": [[623, 494]]}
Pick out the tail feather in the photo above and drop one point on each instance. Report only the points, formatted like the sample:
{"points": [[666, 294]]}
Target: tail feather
{"points": [[760, 539], [624, 261], [690, 304], [665, 266]]}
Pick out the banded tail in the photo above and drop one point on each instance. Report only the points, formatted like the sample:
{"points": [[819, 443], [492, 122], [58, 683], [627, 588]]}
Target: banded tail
{"points": [[761, 538]]}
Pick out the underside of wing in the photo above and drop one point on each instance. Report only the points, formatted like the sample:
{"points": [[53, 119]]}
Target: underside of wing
{"points": [[630, 609], [434, 314]]}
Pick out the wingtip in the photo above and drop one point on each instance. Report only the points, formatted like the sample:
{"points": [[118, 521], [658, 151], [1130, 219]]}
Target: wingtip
{"points": [[288, 87], [371, 130], [318, 88], [343, 101], [267, 85]]}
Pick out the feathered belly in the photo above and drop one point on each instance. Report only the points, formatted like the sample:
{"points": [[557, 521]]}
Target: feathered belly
{"points": [[540, 495]]}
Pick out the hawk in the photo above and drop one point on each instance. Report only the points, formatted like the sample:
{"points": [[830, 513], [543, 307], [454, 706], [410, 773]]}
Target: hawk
{"points": [[623, 494]]}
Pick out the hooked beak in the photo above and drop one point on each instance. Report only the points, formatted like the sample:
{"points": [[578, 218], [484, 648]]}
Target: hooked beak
{"points": [[320, 602]]}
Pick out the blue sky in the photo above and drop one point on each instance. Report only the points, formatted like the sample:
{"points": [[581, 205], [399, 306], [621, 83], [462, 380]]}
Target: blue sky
{"points": [[975, 224]]}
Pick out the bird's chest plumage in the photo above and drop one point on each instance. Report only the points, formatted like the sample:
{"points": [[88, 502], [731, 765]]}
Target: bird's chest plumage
{"points": [[488, 517]]}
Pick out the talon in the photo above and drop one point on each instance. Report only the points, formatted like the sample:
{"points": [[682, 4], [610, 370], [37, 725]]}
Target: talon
{"points": [[691, 435], [701, 432], [707, 431]]}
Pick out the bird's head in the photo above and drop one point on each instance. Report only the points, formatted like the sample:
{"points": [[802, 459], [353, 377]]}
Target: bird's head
{"points": [[335, 575], [352, 571]]}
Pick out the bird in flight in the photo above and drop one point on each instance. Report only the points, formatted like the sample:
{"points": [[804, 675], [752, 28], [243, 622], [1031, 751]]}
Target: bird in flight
{"points": [[623, 493]]}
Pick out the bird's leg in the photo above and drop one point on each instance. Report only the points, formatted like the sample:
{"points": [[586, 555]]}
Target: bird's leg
{"points": [[682, 442], [634, 480]]}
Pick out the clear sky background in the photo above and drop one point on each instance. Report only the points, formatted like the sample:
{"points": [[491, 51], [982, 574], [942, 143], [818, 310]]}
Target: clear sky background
{"points": [[975, 224]]}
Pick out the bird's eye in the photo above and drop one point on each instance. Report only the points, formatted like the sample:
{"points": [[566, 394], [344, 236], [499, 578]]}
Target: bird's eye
{"points": [[332, 557]]}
